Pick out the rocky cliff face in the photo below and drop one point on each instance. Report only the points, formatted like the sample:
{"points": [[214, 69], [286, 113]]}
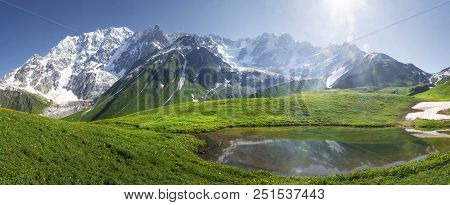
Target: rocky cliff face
{"points": [[73, 70]]}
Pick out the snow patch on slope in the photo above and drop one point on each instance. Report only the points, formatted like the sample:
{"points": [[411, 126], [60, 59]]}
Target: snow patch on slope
{"points": [[183, 76], [180, 83], [429, 111], [335, 75]]}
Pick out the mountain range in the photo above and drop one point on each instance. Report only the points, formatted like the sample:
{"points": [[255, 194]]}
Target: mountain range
{"points": [[115, 71]]}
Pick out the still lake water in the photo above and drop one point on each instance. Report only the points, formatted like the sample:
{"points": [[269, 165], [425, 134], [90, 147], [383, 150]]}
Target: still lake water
{"points": [[317, 150]]}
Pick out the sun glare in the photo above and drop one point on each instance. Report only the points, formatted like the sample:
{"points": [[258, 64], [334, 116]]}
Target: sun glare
{"points": [[341, 5]]}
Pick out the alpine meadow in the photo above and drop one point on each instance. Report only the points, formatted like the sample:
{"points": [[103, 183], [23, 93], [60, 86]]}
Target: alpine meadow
{"points": [[281, 93]]}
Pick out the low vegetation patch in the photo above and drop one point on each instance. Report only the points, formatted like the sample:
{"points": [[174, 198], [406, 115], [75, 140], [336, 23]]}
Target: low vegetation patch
{"points": [[420, 123], [75, 116], [23, 101], [407, 91], [439, 93], [445, 112]]}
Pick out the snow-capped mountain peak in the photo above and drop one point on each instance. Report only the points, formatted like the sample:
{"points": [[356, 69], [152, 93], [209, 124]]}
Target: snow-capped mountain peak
{"points": [[73, 69], [440, 77], [140, 45]]}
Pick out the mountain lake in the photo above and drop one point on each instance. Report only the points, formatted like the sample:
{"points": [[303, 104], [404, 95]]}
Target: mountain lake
{"points": [[318, 150]]}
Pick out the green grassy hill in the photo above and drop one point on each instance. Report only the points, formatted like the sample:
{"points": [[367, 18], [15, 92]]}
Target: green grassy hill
{"points": [[292, 87], [409, 91], [75, 117], [142, 92], [333, 107], [431, 124], [439, 93], [22, 101], [384, 72], [157, 147]]}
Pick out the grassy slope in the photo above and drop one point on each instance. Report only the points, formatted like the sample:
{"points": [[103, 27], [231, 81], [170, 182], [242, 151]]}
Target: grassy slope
{"points": [[431, 123], [49, 151], [22, 101], [395, 90], [75, 117], [144, 92], [439, 93], [316, 108], [58, 152], [408, 91], [292, 87]]}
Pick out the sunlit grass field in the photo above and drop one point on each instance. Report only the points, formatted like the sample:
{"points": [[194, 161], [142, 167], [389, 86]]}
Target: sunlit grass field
{"points": [[158, 146], [439, 93], [337, 108]]}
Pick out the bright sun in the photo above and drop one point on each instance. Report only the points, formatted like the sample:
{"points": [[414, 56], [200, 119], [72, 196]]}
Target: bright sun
{"points": [[342, 15]]}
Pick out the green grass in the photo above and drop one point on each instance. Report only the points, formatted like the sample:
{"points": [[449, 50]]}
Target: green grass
{"points": [[148, 147], [292, 87], [51, 151], [75, 116], [439, 93], [395, 90], [333, 107], [22, 101], [420, 123], [407, 91]]}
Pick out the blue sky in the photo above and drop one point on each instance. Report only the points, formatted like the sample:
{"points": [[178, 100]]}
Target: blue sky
{"points": [[423, 40]]}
